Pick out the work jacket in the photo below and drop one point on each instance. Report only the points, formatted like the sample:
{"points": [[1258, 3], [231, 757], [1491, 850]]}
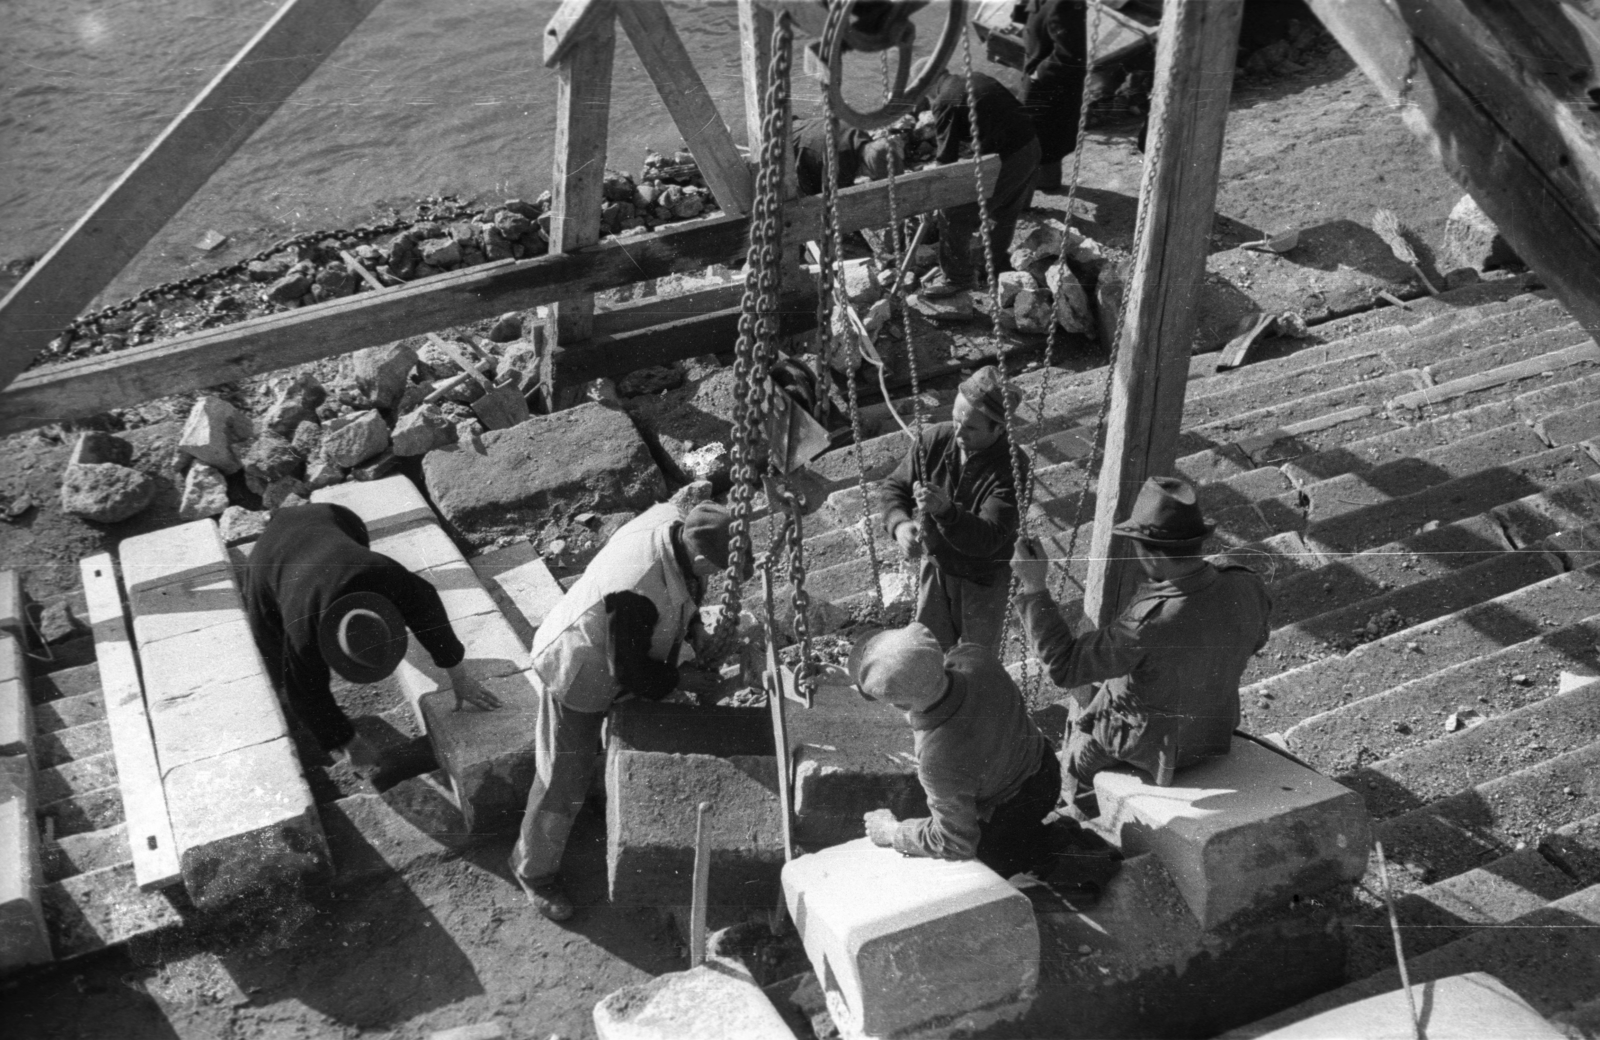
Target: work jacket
{"points": [[572, 653]]}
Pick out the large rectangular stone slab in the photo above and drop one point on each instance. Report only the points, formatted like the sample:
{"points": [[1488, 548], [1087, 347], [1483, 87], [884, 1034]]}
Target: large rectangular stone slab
{"points": [[384, 505], [190, 725], [705, 1002], [244, 821], [186, 551], [521, 583], [186, 605], [650, 828], [1244, 832], [24, 940], [906, 945], [16, 710], [490, 755], [851, 755], [11, 617], [221, 654]]}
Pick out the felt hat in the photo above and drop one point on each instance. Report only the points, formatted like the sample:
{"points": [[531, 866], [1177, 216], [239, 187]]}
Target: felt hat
{"points": [[990, 394], [1166, 514], [904, 666], [705, 532], [362, 636]]}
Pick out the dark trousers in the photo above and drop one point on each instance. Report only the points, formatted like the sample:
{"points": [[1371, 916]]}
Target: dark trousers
{"points": [[1013, 193], [1014, 838], [960, 611], [1103, 737], [1053, 91]]}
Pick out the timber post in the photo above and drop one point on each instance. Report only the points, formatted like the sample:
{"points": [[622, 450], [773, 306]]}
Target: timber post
{"points": [[1177, 205]]}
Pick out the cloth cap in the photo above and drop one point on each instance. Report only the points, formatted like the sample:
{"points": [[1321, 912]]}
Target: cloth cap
{"points": [[903, 666], [875, 157], [1167, 514], [705, 532], [362, 636], [990, 394]]}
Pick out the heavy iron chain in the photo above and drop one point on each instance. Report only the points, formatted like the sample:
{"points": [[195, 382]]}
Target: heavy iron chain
{"points": [[807, 674], [757, 328], [89, 324]]}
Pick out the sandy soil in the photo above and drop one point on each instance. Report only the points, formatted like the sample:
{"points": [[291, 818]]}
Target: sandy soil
{"points": [[451, 942]]}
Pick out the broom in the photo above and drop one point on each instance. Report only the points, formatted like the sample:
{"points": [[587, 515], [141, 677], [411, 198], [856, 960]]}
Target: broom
{"points": [[1387, 225]]}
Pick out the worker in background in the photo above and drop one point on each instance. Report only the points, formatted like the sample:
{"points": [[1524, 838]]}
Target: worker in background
{"points": [[990, 776], [1169, 665], [1055, 42], [319, 598], [1004, 129], [618, 631], [857, 151], [959, 476]]}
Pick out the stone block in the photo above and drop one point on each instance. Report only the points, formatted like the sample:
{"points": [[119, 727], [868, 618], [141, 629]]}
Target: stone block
{"points": [[179, 666], [493, 652], [422, 430], [1472, 240], [384, 505], [16, 710], [183, 552], [458, 587], [489, 755], [851, 755], [98, 446], [521, 582], [708, 1002], [418, 547], [381, 372], [181, 607], [353, 439], [903, 945], [11, 617], [105, 492], [205, 493], [208, 434], [190, 725], [1461, 1006], [1244, 832], [650, 828], [244, 821], [685, 729], [24, 939], [238, 525]]}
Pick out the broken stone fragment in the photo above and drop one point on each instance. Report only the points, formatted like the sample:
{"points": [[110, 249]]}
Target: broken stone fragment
{"points": [[290, 287], [945, 308], [1071, 302], [96, 446], [1471, 239], [353, 439], [507, 328], [381, 373], [512, 226], [421, 431], [1013, 282], [441, 252], [1032, 311], [239, 524], [267, 270], [376, 468], [267, 457], [205, 493], [691, 495], [322, 472], [859, 284], [105, 492], [210, 431], [709, 462], [495, 245], [307, 438], [336, 280], [285, 416], [57, 622], [282, 489]]}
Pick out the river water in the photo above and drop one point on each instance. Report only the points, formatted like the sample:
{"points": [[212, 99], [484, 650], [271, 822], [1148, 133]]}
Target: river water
{"points": [[423, 98]]}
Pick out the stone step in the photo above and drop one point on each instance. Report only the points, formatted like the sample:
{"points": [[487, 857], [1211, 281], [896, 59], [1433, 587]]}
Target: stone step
{"points": [[75, 854], [82, 774], [1571, 426], [67, 712], [88, 810], [65, 682], [64, 745], [24, 930], [1468, 829], [1405, 724], [1480, 622], [101, 908], [1468, 386], [1358, 408]]}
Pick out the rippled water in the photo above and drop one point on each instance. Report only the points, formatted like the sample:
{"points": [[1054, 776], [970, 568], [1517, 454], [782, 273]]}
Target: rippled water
{"points": [[423, 98]]}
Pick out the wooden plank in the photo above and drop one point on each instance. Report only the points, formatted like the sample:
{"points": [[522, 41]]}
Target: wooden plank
{"points": [[144, 800], [93, 385], [1177, 206], [690, 105], [149, 193], [755, 57], [583, 112], [574, 21], [1526, 200]]}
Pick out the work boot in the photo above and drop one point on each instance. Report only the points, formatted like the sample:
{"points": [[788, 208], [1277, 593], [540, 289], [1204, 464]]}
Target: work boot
{"points": [[547, 897], [937, 287]]}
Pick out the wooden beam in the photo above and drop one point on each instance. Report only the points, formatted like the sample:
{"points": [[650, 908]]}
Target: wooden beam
{"points": [[574, 21], [688, 102], [1194, 73], [755, 58], [93, 385], [144, 798], [1505, 121], [149, 193]]}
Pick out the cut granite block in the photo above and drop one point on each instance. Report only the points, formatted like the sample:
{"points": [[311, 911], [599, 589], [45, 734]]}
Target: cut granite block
{"points": [[460, 590], [384, 505], [904, 945], [521, 583], [1244, 832], [490, 755], [187, 551], [198, 723], [185, 606], [24, 939], [850, 755], [705, 1002], [16, 710], [418, 547]]}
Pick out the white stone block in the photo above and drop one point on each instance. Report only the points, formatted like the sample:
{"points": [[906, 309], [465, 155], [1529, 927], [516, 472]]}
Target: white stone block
{"points": [[197, 724], [209, 432], [214, 656], [1242, 832], [383, 504], [182, 607], [418, 547], [531, 587], [1461, 1007], [706, 1003], [493, 651], [458, 587], [903, 945], [172, 553], [24, 939]]}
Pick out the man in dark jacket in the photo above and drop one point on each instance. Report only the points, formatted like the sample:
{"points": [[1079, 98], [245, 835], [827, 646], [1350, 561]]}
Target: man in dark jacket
{"points": [[317, 596], [1056, 47], [809, 139], [1004, 129], [1169, 665], [990, 776], [953, 500]]}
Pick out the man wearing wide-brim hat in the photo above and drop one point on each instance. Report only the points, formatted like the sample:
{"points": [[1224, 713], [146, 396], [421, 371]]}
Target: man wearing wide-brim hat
{"points": [[1168, 667], [320, 601], [953, 501]]}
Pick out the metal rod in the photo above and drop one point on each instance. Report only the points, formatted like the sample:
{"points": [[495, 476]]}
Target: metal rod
{"points": [[1399, 951], [702, 876]]}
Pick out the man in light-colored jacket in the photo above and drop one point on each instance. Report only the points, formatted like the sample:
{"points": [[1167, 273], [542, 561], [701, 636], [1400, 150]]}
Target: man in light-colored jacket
{"points": [[619, 630]]}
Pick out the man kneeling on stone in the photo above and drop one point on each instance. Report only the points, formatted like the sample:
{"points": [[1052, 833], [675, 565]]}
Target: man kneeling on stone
{"points": [[319, 598], [1169, 665], [959, 477], [618, 630], [990, 776]]}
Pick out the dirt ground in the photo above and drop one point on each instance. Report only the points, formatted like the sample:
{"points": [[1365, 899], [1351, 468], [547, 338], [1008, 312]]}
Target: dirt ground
{"points": [[449, 941]]}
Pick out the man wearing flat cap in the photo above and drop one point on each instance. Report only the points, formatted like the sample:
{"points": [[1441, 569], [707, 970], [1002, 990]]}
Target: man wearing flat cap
{"points": [[619, 630], [318, 599], [959, 474], [1168, 667], [990, 776]]}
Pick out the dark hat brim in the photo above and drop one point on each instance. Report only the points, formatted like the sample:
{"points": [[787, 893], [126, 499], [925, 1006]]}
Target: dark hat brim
{"points": [[1139, 535], [393, 651]]}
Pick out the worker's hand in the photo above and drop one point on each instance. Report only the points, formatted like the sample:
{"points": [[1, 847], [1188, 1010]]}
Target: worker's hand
{"points": [[1030, 566], [470, 691], [881, 826], [910, 543], [931, 498]]}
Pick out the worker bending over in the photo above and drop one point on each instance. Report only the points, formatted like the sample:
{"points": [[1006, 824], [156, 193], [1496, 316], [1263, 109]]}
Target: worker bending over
{"points": [[990, 776], [618, 630], [1169, 665], [856, 153], [960, 475], [319, 598]]}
